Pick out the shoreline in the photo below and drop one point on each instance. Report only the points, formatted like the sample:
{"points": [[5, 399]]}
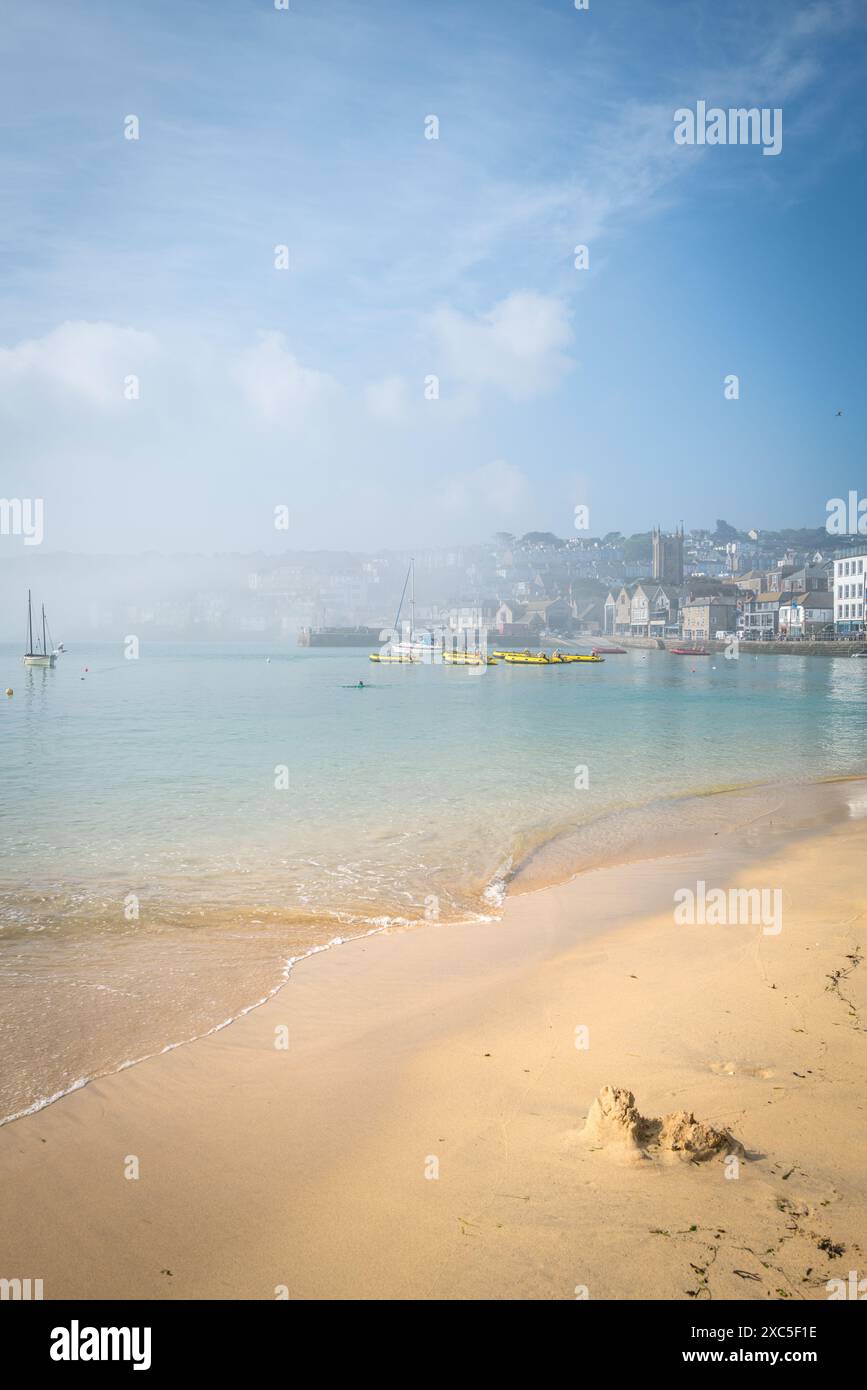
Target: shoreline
{"points": [[523, 878], [305, 1167], [828, 647]]}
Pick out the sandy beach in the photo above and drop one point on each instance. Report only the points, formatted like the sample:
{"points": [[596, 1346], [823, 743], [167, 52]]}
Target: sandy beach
{"points": [[404, 1119]]}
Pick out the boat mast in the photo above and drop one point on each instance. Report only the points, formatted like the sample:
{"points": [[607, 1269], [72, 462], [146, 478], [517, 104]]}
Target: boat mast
{"points": [[29, 626], [400, 605], [44, 647], [412, 601]]}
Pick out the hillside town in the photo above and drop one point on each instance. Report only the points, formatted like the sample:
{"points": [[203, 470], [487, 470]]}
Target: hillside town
{"points": [[658, 586], [692, 587]]}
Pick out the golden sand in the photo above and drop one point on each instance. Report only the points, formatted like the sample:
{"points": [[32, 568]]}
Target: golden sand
{"points": [[422, 1134]]}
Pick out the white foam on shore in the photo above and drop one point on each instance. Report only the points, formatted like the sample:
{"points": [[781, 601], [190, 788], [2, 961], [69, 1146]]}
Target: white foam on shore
{"points": [[288, 967], [508, 873], [380, 925]]}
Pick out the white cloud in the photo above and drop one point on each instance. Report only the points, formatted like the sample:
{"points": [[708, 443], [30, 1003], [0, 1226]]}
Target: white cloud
{"points": [[86, 362], [281, 391], [222, 432], [516, 347]]}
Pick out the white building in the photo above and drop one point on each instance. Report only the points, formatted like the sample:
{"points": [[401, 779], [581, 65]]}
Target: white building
{"points": [[808, 614], [639, 612], [849, 577]]}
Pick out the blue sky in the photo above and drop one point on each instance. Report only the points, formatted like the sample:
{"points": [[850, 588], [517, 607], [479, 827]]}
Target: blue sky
{"points": [[410, 257]]}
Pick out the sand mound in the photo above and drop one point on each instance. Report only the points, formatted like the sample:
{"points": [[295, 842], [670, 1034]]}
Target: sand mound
{"points": [[614, 1120], [683, 1134], [614, 1123]]}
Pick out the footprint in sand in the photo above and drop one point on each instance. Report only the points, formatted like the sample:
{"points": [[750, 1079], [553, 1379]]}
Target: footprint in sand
{"points": [[742, 1069]]}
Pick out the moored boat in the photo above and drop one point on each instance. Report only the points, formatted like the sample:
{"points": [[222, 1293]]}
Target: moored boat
{"points": [[38, 652], [543, 659], [689, 651], [467, 659], [411, 647]]}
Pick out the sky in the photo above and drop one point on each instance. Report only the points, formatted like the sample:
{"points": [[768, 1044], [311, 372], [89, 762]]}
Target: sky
{"points": [[165, 384]]}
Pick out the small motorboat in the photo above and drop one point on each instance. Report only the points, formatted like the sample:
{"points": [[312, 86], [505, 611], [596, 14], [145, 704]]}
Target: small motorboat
{"points": [[467, 659], [689, 651]]}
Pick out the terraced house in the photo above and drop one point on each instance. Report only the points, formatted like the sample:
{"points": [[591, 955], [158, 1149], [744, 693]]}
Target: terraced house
{"points": [[759, 619], [664, 612], [639, 612], [810, 614], [618, 612], [703, 618]]}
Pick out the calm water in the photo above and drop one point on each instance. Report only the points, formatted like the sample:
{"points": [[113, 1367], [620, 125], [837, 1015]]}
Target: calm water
{"points": [[148, 787]]}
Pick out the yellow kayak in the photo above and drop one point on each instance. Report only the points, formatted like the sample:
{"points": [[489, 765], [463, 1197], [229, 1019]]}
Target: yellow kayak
{"points": [[542, 659]]}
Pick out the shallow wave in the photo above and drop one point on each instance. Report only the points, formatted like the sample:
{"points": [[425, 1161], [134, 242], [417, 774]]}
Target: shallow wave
{"points": [[747, 814]]}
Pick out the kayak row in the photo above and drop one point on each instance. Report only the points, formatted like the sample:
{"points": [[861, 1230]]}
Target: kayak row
{"points": [[449, 659], [542, 658], [476, 658]]}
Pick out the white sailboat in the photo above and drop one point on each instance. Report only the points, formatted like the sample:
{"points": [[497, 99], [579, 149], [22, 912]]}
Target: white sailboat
{"points": [[38, 652], [411, 647]]}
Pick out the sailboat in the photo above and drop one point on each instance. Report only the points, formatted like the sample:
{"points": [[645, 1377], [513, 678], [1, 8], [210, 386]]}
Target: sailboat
{"points": [[38, 653], [408, 648]]}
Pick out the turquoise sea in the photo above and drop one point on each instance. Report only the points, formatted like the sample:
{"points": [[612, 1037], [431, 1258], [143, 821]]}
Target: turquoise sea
{"points": [[177, 828]]}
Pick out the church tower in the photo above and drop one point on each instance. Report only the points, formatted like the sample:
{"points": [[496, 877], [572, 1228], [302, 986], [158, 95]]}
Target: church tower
{"points": [[668, 556]]}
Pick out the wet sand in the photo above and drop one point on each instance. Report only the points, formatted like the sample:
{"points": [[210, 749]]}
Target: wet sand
{"points": [[419, 1136]]}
